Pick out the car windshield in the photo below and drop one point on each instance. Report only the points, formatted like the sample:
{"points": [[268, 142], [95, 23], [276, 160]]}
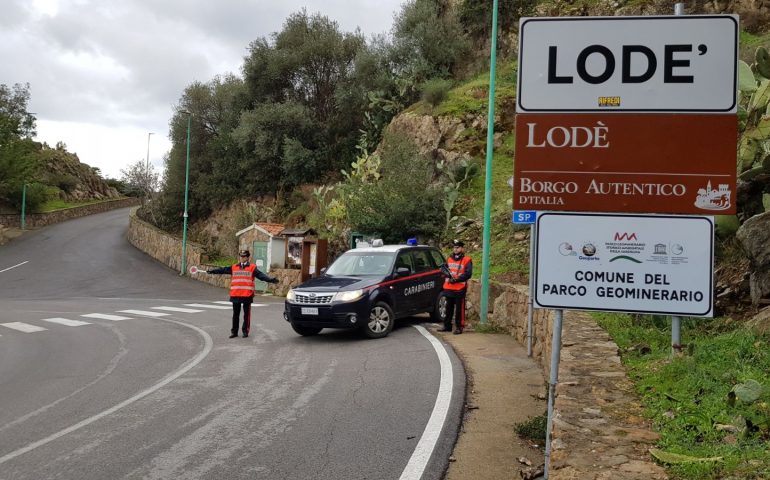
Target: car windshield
{"points": [[362, 263]]}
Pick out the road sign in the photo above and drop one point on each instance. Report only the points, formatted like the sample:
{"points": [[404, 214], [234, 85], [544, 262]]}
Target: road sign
{"points": [[631, 163], [524, 217], [627, 263], [641, 64]]}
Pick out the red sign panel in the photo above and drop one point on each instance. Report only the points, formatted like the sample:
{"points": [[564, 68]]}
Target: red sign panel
{"points": [[632, 163]]}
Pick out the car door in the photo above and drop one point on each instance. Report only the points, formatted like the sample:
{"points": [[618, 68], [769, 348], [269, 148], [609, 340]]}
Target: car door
{"points": [[427, 281], [403, 285]]}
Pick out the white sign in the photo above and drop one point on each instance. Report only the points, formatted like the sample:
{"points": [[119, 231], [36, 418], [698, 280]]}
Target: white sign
{"points": [[639, 64], [629, 263]]}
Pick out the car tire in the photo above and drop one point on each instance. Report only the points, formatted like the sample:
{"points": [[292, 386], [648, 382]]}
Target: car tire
{"points": [[439, 309], [380, 321], [306, 331]]}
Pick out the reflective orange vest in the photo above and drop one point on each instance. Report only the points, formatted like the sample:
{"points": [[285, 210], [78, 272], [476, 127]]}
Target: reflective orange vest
{"points": [[457, 268], [242, 282]]}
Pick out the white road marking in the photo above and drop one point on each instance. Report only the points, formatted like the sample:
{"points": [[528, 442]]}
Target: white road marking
{"points": [[18, 265], [424, 449], [144, 312], [23, 327], [66, 321], [208, 343], [201, 305], [177, 309], [104, 316], [252, 305]]}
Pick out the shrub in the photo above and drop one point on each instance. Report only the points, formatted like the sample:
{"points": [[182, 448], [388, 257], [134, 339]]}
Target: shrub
{"points": [[435, 91]]}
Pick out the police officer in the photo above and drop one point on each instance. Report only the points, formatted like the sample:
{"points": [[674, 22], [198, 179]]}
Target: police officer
{"points": [[242, 289], [459, 270]]}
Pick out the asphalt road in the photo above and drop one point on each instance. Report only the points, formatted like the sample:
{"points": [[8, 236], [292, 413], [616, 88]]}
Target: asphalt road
{"points": [[103, 376]]}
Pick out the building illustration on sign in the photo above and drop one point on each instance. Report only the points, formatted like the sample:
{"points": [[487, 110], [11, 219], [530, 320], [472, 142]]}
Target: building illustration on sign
{"points": [[713, 198]]}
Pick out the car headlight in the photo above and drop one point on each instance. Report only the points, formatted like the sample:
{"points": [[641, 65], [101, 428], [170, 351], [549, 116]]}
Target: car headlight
{"points": [[348, 296], [291, 296]]}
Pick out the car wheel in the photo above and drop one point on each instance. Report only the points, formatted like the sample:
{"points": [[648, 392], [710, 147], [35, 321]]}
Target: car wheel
{"points": [[306, 331], [439, 310], [380, 321]]}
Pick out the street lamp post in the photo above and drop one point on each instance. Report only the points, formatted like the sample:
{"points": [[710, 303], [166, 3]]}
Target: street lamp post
{"points": [[186, 189], [148, 151], [147, 168], [23, 204]]}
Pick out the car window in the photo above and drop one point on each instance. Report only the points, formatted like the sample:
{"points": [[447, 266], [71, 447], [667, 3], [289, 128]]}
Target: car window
{"points": [[421, 261], [404, 260], [357, 263], [438, 259]]}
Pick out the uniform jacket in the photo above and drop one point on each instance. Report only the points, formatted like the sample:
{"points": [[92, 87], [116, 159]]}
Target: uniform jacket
{"points": [[242, 282], [461, 268]]}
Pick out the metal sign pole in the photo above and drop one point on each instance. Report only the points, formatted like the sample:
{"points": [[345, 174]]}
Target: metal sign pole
{"points": [[554, 378], [676, 324], [530, 301]]}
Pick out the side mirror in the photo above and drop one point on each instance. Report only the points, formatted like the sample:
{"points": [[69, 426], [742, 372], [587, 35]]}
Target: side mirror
{"points": [[323, 270], [402, 271]]}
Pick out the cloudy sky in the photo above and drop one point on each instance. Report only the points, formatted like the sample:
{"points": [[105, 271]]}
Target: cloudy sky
{"points": [[105, 73]]}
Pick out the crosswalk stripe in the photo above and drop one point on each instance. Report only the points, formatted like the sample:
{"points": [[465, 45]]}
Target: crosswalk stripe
{"points": [[23, 327], [201, 305], [177, 309], [104, 316], [145, 313], [66, 321], [224, 302]]}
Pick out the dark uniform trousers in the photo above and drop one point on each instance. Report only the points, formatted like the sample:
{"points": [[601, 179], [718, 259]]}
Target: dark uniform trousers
{"points": [[455, 306], [244, 302]]}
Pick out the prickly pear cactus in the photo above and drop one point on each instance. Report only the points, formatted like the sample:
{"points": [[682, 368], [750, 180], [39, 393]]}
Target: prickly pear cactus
{"points": [[754, 119], [762, 61]]}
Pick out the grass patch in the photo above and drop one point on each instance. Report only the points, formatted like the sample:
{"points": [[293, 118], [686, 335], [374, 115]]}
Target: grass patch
{"points": [[688, 398], [489, 328], [473, 95], [58, 204], [533, 429], [224, 261]]}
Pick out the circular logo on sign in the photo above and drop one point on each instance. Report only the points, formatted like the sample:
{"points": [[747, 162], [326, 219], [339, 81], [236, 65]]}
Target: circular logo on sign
{"points": [[566, 249], [589, 250], [677, 249]]}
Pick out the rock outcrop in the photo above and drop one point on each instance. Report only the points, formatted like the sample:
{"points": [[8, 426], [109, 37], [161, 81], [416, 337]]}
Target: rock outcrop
{"points": [[754, 235]]}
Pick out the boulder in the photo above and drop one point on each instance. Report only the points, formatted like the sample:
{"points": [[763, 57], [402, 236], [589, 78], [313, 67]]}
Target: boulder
{"points": [[754, 235], [760, 324]]}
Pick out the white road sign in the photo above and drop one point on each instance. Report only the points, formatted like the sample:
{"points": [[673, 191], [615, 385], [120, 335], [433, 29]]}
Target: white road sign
{"points": [[637, 64], [628, 263]]}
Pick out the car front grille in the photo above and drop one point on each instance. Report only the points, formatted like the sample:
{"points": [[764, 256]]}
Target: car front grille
{"points": [[315, 299]]}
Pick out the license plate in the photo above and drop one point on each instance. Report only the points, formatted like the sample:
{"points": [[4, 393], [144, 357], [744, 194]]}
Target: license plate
{"points": [[309, 311]]}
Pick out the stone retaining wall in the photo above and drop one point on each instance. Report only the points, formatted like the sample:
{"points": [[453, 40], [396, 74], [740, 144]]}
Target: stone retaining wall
{"points": [[167, 249], [34, 220], [598, 429]]}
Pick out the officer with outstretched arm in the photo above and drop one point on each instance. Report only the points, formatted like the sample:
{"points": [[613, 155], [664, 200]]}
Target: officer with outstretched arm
{"points": [[242, 289]]}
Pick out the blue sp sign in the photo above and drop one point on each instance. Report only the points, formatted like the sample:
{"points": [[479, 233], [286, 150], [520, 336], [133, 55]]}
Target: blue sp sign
{"points": [[524, 216]]}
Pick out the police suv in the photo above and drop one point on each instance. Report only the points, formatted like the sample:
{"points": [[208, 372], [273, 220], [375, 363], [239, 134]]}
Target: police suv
{"points": [[369, 288]]}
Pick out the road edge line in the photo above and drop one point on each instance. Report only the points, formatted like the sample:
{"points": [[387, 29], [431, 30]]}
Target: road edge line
{"points": [[424, 449]]}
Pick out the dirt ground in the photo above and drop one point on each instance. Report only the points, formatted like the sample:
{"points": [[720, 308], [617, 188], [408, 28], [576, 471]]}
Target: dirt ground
{"points": [[505, 388]]}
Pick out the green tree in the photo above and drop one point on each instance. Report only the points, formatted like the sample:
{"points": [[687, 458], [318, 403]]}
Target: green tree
{"points": [[475, 16], [428, 40], [18, 162], [403, 202], [141, 179]]}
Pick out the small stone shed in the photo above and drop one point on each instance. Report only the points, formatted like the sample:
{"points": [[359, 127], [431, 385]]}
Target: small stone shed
{"points": [[267, 246]]}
